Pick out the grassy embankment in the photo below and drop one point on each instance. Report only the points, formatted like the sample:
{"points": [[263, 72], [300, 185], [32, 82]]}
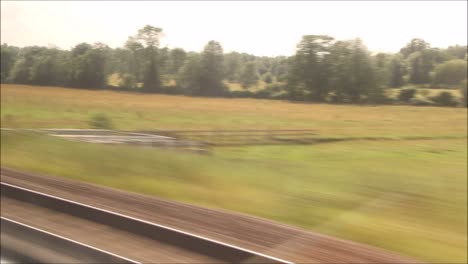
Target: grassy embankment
{"points": [[407, 196]]}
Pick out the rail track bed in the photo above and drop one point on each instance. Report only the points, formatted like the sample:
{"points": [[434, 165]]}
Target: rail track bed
{"points": [[148, 229], [139, 241]]}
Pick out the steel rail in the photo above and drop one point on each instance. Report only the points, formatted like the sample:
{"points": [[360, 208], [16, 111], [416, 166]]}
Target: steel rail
{"points": [[185, 240]]}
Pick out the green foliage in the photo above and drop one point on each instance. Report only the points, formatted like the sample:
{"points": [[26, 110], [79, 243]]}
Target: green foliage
{"points": [[382, 69], [267, 78], [352, 75], [133, 58], [457, 52], [397, 71], [451, 73], [249, 75], [232, 66], [463, 90], [177, 59], [8, 57], [444, 99], [309, 76], [149, 37], [420, 65], [322, 69], [40, 66], [100, 121], [128, 81], [415, 45], [406, 94], [87, 69], [202, 74], [152, 78]]}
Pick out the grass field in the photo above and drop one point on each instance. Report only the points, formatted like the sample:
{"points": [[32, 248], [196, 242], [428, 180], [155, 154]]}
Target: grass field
{"points": [[34, 106], [408, 196]]}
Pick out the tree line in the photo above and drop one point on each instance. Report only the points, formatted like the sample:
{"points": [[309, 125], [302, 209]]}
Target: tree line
{"points": [[322, 70]]}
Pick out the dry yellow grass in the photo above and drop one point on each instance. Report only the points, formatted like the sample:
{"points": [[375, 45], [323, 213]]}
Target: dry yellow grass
{"points": [[35, 106]]}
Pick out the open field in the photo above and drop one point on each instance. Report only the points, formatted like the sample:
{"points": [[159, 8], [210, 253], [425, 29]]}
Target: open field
{"points": [[408, 196], [47, 107]]}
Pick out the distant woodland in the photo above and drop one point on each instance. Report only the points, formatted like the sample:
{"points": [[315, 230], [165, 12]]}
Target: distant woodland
{"points": [[323, 69]]}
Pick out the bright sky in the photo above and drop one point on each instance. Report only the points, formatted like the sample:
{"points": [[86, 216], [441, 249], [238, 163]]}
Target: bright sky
{"points": [[262, 28]]}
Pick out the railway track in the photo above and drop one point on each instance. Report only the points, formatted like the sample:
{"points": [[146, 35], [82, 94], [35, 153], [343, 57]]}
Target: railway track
{"points": [[25, 243], [44, 228], [244, 231]]}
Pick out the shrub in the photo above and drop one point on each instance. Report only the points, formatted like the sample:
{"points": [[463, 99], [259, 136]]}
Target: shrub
{"points": [[275, 87], [267, 78], [421, 101], [444, 99], [240, 94], [406, 94], [100, 121], [450, 73], [463, 90], [424, 93], [263, 94], [172, 90], [128, 81]]}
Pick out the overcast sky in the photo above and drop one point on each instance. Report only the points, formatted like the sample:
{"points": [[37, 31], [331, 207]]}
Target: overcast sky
{"points": [[261, 28]]}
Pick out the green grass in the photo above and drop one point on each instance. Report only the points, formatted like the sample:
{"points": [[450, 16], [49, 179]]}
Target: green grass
{"points": [[405, 196], [408, 196]]}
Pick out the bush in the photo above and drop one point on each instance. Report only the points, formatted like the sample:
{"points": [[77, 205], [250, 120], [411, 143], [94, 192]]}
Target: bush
{"points": [[406, 94], [450, 73], [444, 99], [424, 93], [262, 94], [463, 90], [421, 101], [172, 90], [128, 81], [240, 94], [275, 87], [100, 121], [267, 78], [280, 96]]}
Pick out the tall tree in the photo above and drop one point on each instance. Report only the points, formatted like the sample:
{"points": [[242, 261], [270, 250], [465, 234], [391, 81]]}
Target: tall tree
{"points": [[249, 75], [420, 65], [189, 74], [413, 46], [211, 70], [150, 36], [352, 75], [232, 66], [135, 58], [382, 70], [8, 58], [310, 69], [397, 71], [87, 69], [177, 58]]}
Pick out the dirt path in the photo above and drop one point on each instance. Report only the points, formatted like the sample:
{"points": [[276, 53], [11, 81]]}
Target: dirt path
{"points": [[264, 236]]}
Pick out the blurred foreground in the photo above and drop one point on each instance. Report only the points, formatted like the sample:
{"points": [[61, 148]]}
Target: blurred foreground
{"points": [[394, 177], [408, 196]]}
